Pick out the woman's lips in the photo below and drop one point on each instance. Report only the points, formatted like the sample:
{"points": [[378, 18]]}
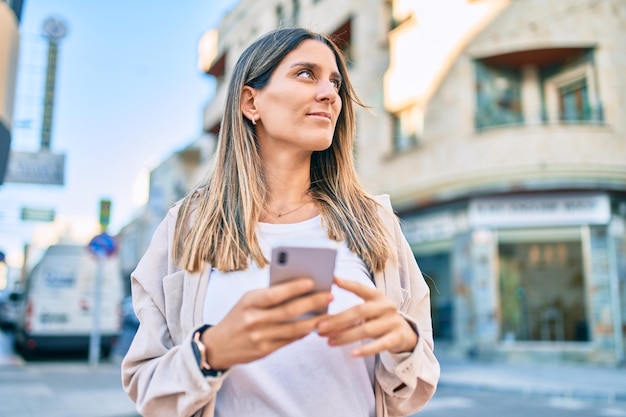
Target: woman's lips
{"points": [[321, 115]]}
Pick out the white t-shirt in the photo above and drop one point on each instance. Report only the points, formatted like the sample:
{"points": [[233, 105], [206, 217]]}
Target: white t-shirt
{"points": [[307, 377]]}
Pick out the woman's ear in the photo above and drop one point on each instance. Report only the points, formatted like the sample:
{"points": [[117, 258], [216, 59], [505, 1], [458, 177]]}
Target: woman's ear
{"points": [[248, 106]]}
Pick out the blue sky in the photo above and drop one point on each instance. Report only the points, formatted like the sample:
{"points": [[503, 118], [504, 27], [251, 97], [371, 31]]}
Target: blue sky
{"points": [[128, 93]]}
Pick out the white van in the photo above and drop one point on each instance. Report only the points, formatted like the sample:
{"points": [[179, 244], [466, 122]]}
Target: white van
{"points": [[57, 307]]}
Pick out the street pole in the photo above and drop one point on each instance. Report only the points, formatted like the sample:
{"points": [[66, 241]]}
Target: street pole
{"points": [[94, 340], [102, 246]]}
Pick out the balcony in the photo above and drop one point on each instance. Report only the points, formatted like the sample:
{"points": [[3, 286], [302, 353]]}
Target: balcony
{"points": [[510, 158]]}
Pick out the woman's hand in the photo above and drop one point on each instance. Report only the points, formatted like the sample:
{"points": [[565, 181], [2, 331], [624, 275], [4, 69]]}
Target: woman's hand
{"points": [[263, 321], [377, 319]]}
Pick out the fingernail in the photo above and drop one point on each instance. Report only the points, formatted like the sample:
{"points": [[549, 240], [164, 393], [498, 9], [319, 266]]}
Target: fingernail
{"points": [[322, 326]]}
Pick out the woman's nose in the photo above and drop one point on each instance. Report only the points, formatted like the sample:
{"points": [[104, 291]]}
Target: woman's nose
{"points": [[327, 91]]}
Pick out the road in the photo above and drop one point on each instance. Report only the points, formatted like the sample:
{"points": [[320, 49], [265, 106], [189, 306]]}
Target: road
{"points": [[59, 386], [450, 402], [70, 387]]}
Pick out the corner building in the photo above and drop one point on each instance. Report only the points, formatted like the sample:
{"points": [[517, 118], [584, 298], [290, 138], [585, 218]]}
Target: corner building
{"points": [[508, 168]]}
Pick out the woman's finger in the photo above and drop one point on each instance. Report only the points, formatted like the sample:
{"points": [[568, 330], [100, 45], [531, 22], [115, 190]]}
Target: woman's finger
{"points": [[362, 291], [360, 331], [360, 313], [279, 293], [390, 333], [382, 344], [293, 309], [291, 330]]}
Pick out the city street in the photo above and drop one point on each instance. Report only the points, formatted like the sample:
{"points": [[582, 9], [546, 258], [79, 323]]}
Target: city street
{"points": [[61, 387], [459, 402], [70, 387]]}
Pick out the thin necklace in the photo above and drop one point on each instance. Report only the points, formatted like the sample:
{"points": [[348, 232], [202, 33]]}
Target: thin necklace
{"points": [[290, 211]]}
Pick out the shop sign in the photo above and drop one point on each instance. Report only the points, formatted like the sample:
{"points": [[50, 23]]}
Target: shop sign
{"points": [[434, 227], [35, 168], [548, 210]]}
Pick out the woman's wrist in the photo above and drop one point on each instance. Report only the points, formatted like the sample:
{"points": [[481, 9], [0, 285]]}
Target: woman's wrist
{"points": [[202, 353], [411, 339]]}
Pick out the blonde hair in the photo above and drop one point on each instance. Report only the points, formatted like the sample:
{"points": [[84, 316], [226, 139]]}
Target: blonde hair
{"points": [[217, 221]]}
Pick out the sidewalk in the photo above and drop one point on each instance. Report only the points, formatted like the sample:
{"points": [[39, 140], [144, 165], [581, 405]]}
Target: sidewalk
{"points": [[79, 390], [62, 390], [558, 380]]}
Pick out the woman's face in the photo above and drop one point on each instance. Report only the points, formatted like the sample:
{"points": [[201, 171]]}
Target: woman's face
{"points": [[299, 106]]}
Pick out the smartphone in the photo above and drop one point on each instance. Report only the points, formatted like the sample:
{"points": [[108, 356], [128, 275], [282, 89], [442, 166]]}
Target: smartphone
{"points": [[289, 262]]}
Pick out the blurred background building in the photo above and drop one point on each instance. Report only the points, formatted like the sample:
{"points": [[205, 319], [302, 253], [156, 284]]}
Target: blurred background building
{"points": [[498, 129], [10, 13], [508, 167], [168, 183]]}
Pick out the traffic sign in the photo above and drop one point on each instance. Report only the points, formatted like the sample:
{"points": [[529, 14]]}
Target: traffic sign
{"points": [[103, 245]]}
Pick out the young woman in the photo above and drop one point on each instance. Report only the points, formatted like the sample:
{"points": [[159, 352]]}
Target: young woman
{"points": [[214, 337]]}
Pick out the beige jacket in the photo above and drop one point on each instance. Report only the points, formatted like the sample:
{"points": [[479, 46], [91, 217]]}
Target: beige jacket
{"points": [[161, 375]]}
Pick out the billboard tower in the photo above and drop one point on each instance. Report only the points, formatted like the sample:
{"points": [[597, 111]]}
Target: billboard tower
{"points": [[55, 30], [43, 167]]}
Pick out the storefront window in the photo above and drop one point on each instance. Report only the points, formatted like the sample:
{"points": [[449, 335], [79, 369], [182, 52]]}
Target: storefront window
{"points": [[542, 295], [436, 270]]}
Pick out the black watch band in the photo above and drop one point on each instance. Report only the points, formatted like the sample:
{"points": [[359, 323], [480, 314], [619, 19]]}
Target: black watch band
{"points": [[199, 351]]}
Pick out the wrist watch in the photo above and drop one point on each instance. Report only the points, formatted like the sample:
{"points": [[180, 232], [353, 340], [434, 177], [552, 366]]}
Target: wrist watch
{"points": [[199, 351]]}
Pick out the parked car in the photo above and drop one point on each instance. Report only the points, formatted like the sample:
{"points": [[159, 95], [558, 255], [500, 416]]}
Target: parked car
{"points": [[9, 309]]}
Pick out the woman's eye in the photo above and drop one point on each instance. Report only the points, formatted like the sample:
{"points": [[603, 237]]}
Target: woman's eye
{"points": [[336, 83], [305, 73]]}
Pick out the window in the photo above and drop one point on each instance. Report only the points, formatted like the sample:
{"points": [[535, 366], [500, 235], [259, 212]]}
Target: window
{"points": [[542, 291], [574, 101], [553, 85], [407, 128], [498, 96], [343, 38], [295, 11], [570, 95], [218, 69], [280, 16], [436, 268]]}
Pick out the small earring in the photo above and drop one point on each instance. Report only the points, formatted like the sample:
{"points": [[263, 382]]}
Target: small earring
{"points": [[253, 121]]}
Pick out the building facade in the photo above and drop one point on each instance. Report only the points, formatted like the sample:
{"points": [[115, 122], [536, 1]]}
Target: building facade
{"points": [[508, 168], [169, 182], [10, 13]]}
